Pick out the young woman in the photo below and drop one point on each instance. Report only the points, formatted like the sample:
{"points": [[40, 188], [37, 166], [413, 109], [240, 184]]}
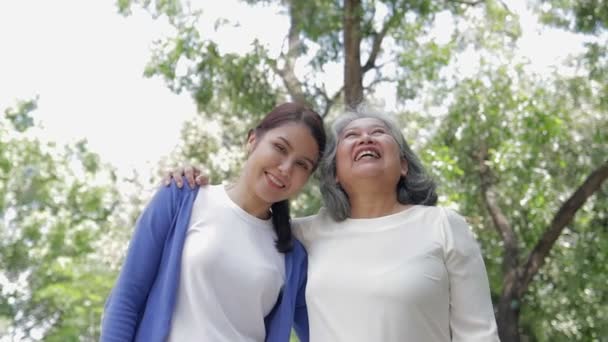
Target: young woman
{"points": [[219, 263], [386, 264]]}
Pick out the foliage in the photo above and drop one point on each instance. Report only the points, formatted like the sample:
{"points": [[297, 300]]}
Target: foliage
{"points": [[233, 91], [543, 140], [582, 16], [540, 137], [54, 206], [591, 19]]}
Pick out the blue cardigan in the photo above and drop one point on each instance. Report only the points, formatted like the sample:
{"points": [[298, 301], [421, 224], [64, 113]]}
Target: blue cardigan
{"points": [[141, 304]]}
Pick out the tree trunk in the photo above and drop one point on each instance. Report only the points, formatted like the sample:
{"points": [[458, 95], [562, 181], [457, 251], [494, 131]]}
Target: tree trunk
{"points": [[353, 74], [516, 278], [508, 316], [287, 73]]}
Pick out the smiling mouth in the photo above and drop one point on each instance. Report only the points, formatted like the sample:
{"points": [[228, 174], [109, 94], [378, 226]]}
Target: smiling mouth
{"points": [[275, 181], [367, 154]]}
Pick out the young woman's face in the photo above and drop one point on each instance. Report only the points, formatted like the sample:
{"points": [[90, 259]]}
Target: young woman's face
{"points": [[366, 149], [280, 161]]}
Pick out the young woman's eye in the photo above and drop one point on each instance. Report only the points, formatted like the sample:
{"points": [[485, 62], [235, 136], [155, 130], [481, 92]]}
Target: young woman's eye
{"points": [[280, 147], [303, 165]]}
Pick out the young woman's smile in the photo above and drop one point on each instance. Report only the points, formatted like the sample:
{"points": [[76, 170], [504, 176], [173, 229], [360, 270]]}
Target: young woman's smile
{"points": [[280, 161]]}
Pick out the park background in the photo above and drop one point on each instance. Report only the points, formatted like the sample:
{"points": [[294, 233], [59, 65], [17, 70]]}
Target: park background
{"points": [[505, 101]]}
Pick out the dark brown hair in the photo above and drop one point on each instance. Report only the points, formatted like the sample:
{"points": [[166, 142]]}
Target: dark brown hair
{"points": [[284, 114]]}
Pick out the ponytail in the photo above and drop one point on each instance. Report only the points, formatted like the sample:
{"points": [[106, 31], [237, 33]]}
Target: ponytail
{"points": [[281, 223]]}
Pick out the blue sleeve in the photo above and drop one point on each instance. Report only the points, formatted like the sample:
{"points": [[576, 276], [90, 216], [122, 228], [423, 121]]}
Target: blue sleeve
{"points": [[301, 313], [127, 300]]}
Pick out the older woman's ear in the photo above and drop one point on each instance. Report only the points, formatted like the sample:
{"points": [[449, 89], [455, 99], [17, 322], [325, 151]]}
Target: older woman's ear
{"points": [[404, 167]]}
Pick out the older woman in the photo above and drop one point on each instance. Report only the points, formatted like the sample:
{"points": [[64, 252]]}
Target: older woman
{"points": [[385, 264]]}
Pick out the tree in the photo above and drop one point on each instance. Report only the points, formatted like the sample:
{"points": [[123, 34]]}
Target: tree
{"points": [[589, 18], [508, 147], [55, 204], [524, 156], [233, 91], [247, 83]]}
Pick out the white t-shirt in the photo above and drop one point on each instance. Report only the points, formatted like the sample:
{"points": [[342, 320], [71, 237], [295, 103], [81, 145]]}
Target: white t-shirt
{"points": [[413, 276], [231, 273]]}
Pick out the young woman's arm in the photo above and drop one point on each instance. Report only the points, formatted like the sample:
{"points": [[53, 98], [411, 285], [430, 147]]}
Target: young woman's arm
{"points": [[128, 297], [301, 314]]}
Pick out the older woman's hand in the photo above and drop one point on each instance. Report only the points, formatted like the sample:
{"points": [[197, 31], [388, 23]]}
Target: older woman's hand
{"points": [[194, 176]]}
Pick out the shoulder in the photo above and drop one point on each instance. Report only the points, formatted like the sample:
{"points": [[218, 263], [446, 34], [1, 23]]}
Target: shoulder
{"points": [[431, 218], [305, 228], [298, 249], [444, 217], [453, 217], [455, 222], [429, 210], [299, 259], [173, 194], [457, 233], [312, 221]]}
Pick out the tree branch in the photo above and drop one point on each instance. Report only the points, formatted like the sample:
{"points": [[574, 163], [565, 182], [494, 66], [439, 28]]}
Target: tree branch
{"points": [[472, 3], [378, 80], [377, 42], [490, 198], [287, 73], [329, 101], [563, 217], [477, 2], [353, 78], [510, 261]]}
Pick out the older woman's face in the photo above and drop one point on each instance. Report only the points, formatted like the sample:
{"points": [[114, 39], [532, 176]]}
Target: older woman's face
{"points": [[367, 150]]}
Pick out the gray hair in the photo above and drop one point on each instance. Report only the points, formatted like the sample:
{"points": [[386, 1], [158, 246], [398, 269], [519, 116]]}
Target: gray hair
{"points": [[417, 187]]}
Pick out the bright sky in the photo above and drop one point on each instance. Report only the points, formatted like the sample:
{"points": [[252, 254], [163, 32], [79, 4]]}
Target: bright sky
{"points": [[86, 63]]}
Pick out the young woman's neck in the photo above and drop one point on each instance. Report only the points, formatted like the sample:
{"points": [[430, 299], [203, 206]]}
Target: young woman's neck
{"points": [[241, 194], [369, 202]]}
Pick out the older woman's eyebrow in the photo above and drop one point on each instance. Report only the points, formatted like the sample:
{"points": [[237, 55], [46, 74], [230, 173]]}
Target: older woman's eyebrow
{"points": [[378, 126], [349, 130], [358, 128]]}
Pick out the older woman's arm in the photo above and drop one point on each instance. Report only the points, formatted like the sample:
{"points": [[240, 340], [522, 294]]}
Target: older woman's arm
{"points": [[190, 174], [471, 312]]}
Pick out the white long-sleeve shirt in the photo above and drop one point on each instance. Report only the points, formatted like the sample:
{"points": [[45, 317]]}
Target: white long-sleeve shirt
{"points": [[413, 276], [231, 273]]}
